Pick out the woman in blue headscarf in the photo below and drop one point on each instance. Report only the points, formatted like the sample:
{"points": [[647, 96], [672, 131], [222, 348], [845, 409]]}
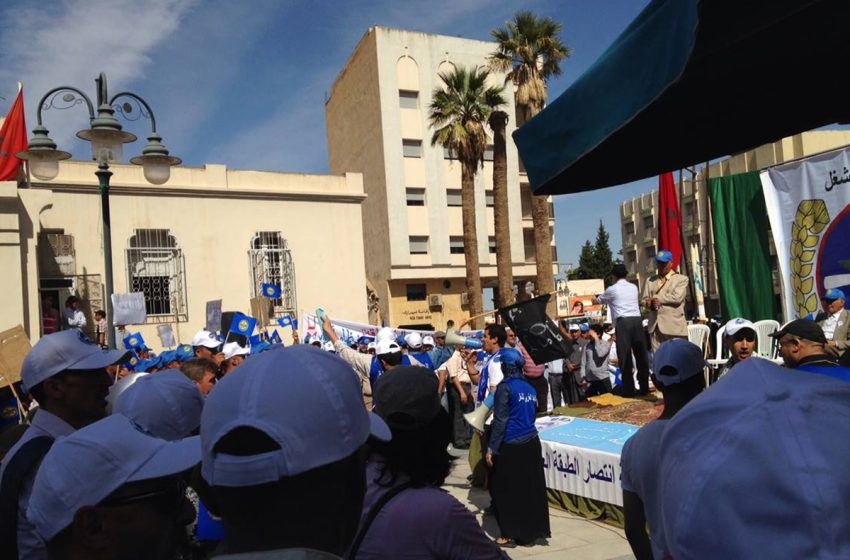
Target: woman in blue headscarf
{"points": [[517, 482]]}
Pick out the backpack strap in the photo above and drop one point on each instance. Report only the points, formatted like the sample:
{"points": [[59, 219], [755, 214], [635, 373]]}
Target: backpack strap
{"points": [[18, 468], [370, 517]]}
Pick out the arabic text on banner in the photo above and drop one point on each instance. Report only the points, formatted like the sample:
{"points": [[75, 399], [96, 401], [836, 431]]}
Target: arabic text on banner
{"points": [[808, 204]]}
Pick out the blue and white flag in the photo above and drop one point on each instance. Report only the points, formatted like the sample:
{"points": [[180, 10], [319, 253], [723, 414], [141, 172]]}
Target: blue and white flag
{"points": [[271, 291], [242, 324]]}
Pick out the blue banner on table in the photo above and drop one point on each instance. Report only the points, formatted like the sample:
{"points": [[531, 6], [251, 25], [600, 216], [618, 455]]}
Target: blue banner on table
{"points": [[271, 291], [242, 324], [539, 335]]}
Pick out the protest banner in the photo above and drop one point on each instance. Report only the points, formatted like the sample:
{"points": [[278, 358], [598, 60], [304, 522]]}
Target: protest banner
{"points": [[808, 205], [262, 309], [14, 346], [129, 309], [309, 327], [166, 335], [214, 315]]}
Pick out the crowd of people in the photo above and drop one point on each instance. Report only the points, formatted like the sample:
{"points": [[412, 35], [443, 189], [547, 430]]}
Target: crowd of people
{"points": [[338, 448]]}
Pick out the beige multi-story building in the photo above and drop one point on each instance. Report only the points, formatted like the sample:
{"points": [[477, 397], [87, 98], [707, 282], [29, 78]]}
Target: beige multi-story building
{"points": [[377, 120], [209, 233], [639, 216]]}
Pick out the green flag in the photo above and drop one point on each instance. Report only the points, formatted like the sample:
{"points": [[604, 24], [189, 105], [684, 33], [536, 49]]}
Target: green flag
{"points": [[741, 247]]}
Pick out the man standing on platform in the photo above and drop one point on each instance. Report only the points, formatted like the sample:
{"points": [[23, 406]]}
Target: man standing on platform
{"points": [[622, 299], [664, 298]]}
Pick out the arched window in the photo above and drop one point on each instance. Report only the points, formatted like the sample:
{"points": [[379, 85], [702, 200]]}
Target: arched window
{"points": [[271, 263], [155, 267]]}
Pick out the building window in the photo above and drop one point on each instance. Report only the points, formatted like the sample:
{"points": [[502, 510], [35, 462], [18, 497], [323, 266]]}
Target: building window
{"points": [[449, 154], [416, 292], [491, 242], [155, 267], [271, 263], [418, 245], [689, 208], [456, 245], [488, 153], [489, 199], [630, 227], [411, 148], [649, 252], [415, 197], [648, 222], [408, 99], [454, 198]]}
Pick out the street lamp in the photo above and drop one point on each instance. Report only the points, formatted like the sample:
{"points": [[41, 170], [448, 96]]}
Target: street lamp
{"points": [[107, 143]]}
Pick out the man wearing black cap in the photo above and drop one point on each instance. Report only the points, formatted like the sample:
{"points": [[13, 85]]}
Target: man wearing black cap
{"points": [[802, 345], [622, 298]]}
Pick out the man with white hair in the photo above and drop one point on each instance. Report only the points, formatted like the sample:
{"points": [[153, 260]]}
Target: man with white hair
{"points": [[836, 324]]}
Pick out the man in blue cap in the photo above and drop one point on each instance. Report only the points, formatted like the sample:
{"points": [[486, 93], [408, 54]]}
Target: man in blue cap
{"points": [[664, 298], [66, 373], [836, 324]]}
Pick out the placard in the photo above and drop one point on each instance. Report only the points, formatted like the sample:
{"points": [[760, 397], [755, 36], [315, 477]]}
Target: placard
{"points": [[166, 335], [129, 309], [14, 346], [214, 315], [262, 309]]}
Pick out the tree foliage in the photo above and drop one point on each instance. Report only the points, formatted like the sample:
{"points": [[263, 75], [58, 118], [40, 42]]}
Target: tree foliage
{"points": [[595, 260]]}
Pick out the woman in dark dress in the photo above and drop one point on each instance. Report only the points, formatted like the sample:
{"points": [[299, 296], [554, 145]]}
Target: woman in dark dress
{"points": [[517, 482]]}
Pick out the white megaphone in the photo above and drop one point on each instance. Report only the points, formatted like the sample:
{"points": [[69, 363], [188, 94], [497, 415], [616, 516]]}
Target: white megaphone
{"points": [[477, 417], [454, 339]]}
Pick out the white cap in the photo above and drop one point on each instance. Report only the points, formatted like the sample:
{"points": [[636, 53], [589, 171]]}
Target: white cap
{"points": [[735, 325], [87, 466], [428, 340], [308, 402], [387, 347], [372, 346], [413, 340], [65, 350], [166, 405], [328, 347], [234, 349], [385, 333], [206, 339], [573, 327]]}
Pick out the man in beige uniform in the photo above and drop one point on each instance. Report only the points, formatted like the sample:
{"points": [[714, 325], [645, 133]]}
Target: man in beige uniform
{"points": [[664, 298]]}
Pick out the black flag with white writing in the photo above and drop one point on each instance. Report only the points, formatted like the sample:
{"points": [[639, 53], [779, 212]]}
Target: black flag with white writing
{"points": [[537, 332]]}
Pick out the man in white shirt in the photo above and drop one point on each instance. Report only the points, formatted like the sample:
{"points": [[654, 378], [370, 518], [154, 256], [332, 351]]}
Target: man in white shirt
{"points": [[74, 318], [622, 299], [836, 325]]}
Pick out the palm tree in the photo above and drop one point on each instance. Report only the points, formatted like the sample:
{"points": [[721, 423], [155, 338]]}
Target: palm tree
{"points": [[530, 51], [458, 114], [504, 269]]}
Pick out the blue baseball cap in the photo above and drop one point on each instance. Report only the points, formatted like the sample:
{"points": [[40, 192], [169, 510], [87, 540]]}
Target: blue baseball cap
{"points": [[87, 466], [664, 256], [584, 327], [677, 360], [65, 350], [833, 294], [185, 352], [166, 405], [511, 359], [167, 357], [308, 402], [758, 444]]}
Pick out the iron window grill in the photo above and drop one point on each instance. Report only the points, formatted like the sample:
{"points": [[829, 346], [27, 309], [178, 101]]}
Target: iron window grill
{"points": [[271, 263], [155, 267]]}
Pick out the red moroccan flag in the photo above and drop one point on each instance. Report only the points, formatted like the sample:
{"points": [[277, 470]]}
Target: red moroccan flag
{"points": [[13, 139], [669, 222]]}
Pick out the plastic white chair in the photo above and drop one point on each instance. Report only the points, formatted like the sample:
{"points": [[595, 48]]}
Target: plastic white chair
{"points": [[698, 334], [719, 349], [766, 345]]}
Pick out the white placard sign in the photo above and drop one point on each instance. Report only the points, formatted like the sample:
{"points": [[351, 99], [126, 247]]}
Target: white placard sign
{"points": [[129, 309], [166, 335]]}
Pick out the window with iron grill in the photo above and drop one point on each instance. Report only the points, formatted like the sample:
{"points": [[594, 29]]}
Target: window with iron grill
{"points": [[271, 263], [155, 268]]}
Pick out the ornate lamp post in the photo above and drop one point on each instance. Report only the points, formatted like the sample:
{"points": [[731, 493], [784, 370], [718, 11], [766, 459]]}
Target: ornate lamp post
{"points": [[107, 140]]}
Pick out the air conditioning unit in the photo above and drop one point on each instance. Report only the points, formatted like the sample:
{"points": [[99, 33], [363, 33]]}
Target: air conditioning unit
{"points": [[435, 300], [464, 299]]}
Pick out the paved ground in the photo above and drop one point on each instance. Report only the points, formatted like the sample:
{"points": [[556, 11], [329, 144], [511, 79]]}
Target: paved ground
{"points": [[573, 537]]}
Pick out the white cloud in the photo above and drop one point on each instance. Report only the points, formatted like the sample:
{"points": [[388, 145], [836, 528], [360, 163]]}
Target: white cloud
{"points": [[45, 45]]}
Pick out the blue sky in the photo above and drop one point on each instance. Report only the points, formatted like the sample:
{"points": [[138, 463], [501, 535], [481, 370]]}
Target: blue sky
{"points": [[244, 82]]}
